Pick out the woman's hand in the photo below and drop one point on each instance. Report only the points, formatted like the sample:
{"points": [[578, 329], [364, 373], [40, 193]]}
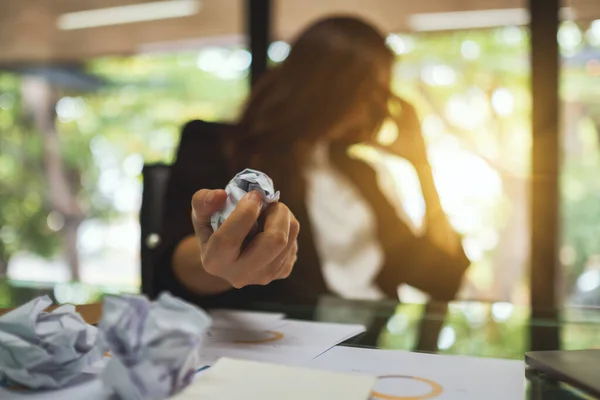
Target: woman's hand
{"points": [[410, 143], [270, 255]]}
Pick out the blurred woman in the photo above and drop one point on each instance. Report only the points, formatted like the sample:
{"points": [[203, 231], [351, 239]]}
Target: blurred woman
{"points": [[301, 121]]}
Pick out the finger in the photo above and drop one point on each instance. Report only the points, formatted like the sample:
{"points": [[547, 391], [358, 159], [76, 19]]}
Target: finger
{"points": [[231, 234], [272, 241], [204, 203], [274, 269], [288, 266], [280, 268], [285, 269]]}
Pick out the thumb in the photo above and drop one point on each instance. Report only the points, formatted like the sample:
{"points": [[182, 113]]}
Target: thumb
{"points": [[204, 203]]}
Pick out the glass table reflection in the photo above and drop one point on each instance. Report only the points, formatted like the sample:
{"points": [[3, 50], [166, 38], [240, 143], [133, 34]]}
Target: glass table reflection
{"points": [[482, 329]]}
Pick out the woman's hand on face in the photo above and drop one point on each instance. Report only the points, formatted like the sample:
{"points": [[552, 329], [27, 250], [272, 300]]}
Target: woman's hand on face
{"points": [[410, 143], [270, 255]]}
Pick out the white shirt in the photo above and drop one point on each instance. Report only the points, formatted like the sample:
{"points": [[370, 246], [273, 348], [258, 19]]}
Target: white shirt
{"points": [[344, 228]]}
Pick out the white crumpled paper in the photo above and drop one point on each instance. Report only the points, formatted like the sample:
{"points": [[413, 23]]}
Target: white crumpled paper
{"points": [[45, 350], [154, 345], [241, 184]]}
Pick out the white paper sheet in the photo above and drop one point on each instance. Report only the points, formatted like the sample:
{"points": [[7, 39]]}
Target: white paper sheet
{"points": [[248, 380], [238, 319], [294, 342], [407, 374]]}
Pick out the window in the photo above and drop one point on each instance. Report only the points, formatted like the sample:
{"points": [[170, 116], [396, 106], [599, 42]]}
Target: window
{"points": [[579, 40], [70, 183]]}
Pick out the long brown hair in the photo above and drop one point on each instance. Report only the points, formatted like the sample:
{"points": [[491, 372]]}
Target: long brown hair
{"points": [[334, 85]]}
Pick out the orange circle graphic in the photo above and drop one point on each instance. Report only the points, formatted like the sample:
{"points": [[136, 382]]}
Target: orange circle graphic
{"points": [[436, 389], [275, 336]]}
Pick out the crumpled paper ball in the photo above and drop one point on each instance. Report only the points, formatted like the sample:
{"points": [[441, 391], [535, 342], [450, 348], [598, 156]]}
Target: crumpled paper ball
{"points": [[241, 184], [153, 345], [46, 350]]}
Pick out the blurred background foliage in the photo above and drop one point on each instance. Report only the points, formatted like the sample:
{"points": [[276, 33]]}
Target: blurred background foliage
{"points": [[23, 209]]}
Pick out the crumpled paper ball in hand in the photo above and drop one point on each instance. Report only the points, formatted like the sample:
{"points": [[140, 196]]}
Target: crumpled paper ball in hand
{"points": [[46, 350], [154, 345], [241, 184]]}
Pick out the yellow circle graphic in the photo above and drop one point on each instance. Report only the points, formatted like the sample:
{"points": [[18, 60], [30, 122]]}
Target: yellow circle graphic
{"points": [[275, 336], [436, 389]]}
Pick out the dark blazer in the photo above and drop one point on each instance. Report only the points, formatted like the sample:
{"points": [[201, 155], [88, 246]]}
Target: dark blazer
{"points": [[201, 164]]}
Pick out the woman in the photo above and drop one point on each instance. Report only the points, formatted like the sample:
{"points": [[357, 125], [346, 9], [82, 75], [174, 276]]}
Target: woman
{"points": [[303, 117]]}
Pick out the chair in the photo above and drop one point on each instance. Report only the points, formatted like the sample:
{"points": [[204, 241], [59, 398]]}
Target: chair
{"points": [[199, 142], [155, 179]]}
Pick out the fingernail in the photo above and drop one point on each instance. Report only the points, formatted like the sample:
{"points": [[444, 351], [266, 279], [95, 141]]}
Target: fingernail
{"points": [[209, 197], [255, 197]]}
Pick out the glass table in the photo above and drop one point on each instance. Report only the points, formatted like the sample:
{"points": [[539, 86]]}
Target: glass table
{"points": [[482, 329]]}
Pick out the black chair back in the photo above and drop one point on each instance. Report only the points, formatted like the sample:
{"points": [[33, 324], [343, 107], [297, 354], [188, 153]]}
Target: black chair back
{"points": [[156, 177]]}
